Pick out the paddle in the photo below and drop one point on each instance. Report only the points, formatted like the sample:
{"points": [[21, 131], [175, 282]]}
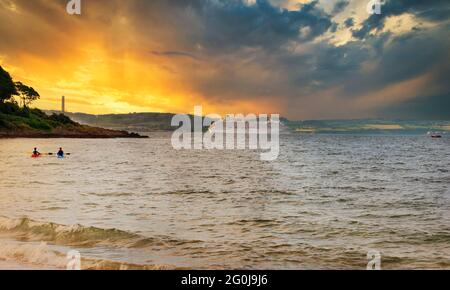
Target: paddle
{"points": [[51, 154]]}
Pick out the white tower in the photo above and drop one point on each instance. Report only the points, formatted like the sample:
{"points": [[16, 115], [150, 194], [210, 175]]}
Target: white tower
{"points": [[63, 104]]}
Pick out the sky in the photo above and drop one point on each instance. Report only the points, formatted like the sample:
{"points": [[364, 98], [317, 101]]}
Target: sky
{"points": [[302, 59]]}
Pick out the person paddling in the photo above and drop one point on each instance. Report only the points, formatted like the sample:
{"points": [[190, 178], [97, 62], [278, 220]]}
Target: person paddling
{"points": [[36, 152], [60, 153]]}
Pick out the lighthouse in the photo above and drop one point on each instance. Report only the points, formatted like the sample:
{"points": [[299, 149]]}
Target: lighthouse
{"points": [[63, 104]]}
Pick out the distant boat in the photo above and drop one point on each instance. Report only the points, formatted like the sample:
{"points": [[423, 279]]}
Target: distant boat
{"points": [[435, 135]]}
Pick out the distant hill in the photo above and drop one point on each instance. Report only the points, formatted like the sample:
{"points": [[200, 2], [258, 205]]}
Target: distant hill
{"points": [[151, 122], [136, 122]]}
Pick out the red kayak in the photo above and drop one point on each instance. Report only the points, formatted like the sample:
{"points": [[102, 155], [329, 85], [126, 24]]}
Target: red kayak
{"points": [[35, 155]]}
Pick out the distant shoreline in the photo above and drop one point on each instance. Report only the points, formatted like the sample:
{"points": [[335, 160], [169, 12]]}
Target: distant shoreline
{"points": [[79, 132], [39, 135], [3, 137]]}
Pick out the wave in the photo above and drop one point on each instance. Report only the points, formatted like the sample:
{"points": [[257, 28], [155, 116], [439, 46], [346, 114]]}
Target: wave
{"points": [[25, 256], [24, 245], [26, 229]]}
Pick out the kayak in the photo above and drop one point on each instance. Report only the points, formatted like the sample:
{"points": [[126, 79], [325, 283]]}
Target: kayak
{"points": [[35, 155], [60, 156]]}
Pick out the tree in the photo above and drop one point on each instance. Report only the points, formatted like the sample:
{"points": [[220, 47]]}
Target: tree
{"points": [[27, 94], [7, 86]]}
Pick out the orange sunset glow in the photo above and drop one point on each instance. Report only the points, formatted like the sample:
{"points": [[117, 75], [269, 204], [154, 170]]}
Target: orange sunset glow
{"points": [[103, 66], [302, 59]]}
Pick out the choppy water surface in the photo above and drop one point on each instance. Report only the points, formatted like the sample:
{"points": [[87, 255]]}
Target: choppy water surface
{"points": [[323, 204]]}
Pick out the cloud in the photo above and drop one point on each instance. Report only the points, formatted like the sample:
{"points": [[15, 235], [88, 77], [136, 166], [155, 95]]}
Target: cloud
{"points": [[349, 22], [172, 53], [432, 10], [340, 6], [230, 56], [233, 25]]}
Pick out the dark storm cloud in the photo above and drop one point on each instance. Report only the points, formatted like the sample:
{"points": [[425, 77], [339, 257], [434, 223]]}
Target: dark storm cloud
{"points": [[219, 26], [234, 24], [404, 57], [340, 6], [349, 22], [231, 50], [433, 10], [248, 48]]}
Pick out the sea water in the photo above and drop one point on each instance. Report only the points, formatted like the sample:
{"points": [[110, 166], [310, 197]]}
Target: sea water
{"points": [[137, 203]]}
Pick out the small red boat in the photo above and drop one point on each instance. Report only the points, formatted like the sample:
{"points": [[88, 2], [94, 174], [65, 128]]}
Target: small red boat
{"points": [[35, 155]]}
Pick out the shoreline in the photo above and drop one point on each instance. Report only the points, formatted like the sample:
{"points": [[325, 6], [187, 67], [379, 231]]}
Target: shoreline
{"points": [[102, 134], [70, 137]]}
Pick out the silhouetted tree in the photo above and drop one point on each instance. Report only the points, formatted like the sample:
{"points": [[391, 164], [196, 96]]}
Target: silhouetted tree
{"points": [[7, 87], [27, 94]]}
